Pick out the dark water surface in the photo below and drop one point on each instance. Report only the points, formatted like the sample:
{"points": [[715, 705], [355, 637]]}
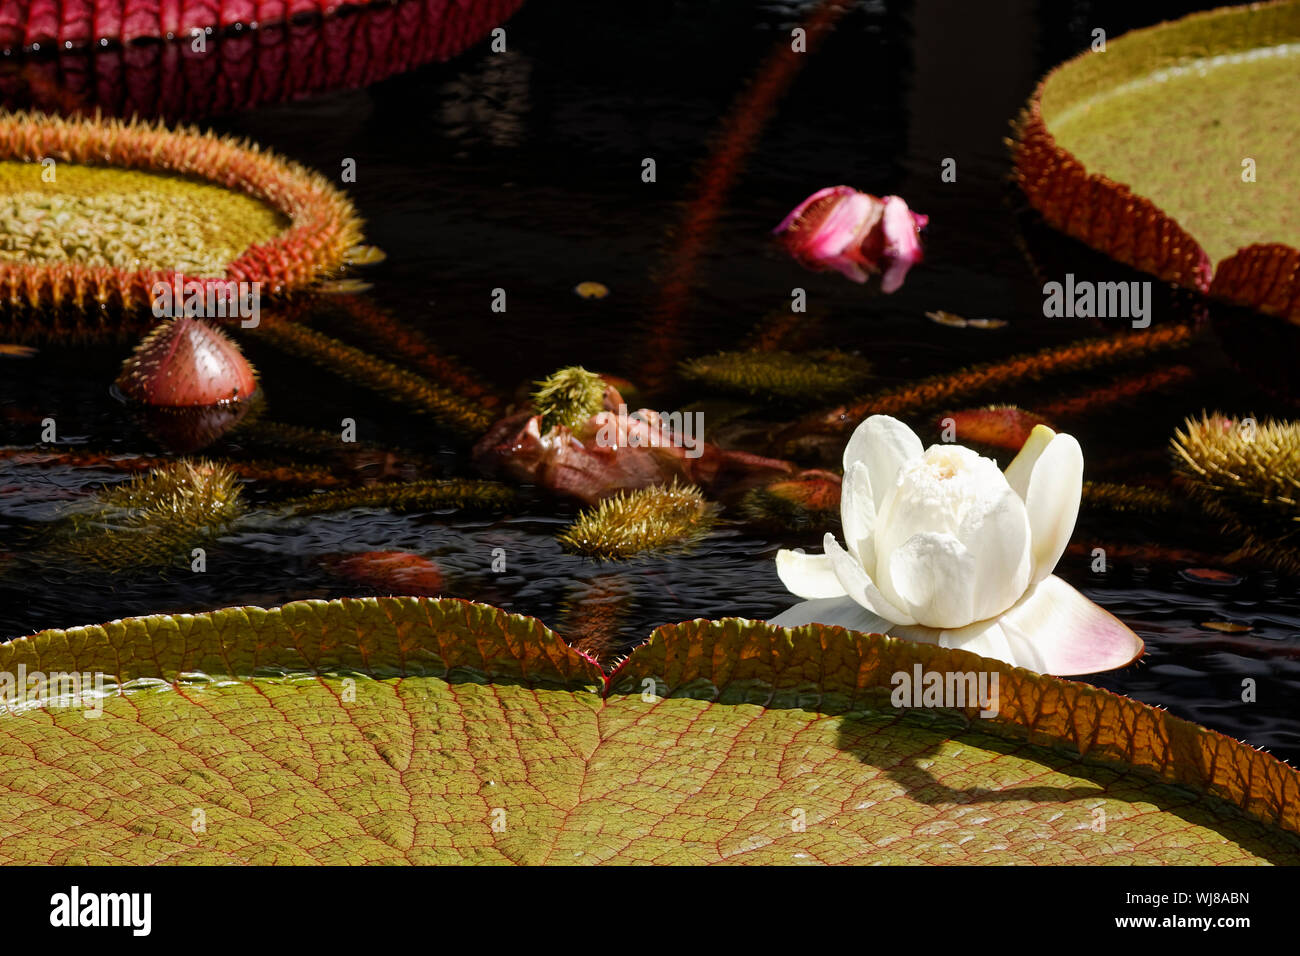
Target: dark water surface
{"points": [[522, 171]]}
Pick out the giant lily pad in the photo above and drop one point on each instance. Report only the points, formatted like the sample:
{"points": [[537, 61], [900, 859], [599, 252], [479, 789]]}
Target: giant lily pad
{"points": [[422, 731], [94, 213], [1172, 150]]}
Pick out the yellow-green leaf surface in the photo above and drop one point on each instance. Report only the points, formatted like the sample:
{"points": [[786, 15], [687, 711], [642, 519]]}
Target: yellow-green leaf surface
{"points": [[1174, 111], [404, 730]]}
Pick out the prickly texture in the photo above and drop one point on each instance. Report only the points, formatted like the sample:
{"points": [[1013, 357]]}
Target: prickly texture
{"points": [[410, 348], [1159, 120], [931, 391], [322, 223], [186, 363], [242, 70], [569, 397], [1265, 276], [78, 23], [1129, 499], [126, 219], [781, 375], [1123, 391], [406, 388], [652, 519], [1256, 465], [153, 520], [410, 496]]}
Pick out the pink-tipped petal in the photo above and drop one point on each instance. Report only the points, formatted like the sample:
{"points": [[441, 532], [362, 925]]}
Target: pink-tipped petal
{"points": [[902, 242], [1052, 630]]}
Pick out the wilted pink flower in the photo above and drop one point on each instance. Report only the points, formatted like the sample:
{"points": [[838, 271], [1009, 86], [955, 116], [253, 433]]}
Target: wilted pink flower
{"points": [[855, 233], [615, 451]]}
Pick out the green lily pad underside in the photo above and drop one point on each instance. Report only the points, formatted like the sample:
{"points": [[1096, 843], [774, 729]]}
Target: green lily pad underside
{"points": [[404, 730], [1173, 111]]}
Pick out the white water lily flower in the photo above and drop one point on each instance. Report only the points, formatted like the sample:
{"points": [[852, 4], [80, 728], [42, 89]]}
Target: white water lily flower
{"points": [[945, 548]]}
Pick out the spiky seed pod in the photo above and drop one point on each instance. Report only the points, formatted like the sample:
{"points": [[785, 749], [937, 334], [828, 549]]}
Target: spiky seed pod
{"points": [[185, 363], [569, 397], [651, 519], [154, 519], [782, 375], [1256, 464], [321, 223], [410, 496]]}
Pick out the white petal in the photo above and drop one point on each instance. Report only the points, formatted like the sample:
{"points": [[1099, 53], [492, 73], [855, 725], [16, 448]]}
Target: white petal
{"points": [[1022, 466], [858, 515], [1055, 489], [1053, 630], [858, 585], [934, 575], [808, 575], [952, 492], [882, 443], [839, 612]]}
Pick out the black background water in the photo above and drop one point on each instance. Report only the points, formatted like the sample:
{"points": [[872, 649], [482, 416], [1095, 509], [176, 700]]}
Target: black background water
{"points": [[522, 171]]}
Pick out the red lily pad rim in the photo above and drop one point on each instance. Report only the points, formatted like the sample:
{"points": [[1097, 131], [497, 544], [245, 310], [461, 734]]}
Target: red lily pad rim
{"points": [[826, 669], [1112, 218], [323, 222]]}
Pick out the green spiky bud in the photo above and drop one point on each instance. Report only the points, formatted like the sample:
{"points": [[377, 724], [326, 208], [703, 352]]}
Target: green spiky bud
{"points": [[1253, 463], [652, 519], [569, 397], [155, 518]]}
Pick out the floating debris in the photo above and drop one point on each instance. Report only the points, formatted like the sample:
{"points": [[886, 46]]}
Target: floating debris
{"points": [[951, 319], [1227, 627], [591, 290], [1210, 576], [652, 519]]}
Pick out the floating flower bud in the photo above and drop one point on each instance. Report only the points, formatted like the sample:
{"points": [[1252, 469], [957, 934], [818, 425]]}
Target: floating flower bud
{"points": [[855, 233], [186, 362], [190, 383]]}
